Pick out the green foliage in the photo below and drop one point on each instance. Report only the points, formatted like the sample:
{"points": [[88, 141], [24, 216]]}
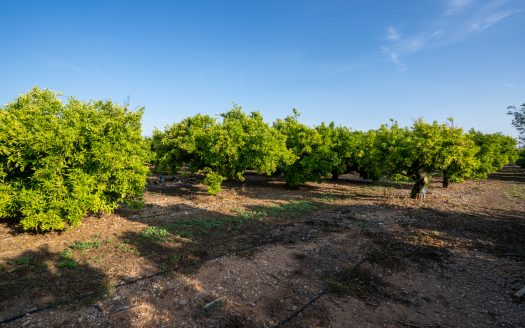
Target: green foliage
{"points": [[66, 260], [84, 245], [60, 161], [342, 144], [495, 151], [521, 158], [214, 181], [386, 152], [456, 156], [518, 120], [315, 157], [222, 149], [155, 233], [24, 260]]}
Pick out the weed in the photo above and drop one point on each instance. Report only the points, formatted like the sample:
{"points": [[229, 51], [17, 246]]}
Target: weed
{"points": [[84, 245], [247, 215], [191, 227], [66, 259], [328, 198], [125, 248], [67, 263], [515, 192], [24, 260], [285, 210], [175, 259], [185, 234], [155, 233], [97, 260]]}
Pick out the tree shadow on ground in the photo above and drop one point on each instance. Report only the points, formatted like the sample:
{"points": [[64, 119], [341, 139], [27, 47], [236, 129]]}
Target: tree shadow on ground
{"points": [[512, 173], [39, 278]]}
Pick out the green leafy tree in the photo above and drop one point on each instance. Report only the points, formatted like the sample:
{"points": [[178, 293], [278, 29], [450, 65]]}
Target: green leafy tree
{"points": [[222, 149], [315, 157], [342, 146], [60, 161], [456, 157], [518, 120], [382, 152], [495, 151], [521, 157]]}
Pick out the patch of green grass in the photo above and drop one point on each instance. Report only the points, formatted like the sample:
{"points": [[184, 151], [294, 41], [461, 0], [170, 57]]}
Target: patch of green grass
{"points": [[24, 260], [84, 245], [126, 248], [248, 215], [155, 233], [328, 198], [281, 210], [66, 259], [136, 204], [515, 192], [288, 209], [192, 227]]}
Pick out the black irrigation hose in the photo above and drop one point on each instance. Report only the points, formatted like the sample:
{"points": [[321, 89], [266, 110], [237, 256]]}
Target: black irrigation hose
{"points": [[314, 299], [296, 313], [46, 307]]}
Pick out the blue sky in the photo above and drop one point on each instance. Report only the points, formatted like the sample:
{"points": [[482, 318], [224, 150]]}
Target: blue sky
{"points": [[355, 62]]}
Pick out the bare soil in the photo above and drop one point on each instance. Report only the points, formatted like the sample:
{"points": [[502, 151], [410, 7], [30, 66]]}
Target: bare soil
{"points": [[348, 253]]}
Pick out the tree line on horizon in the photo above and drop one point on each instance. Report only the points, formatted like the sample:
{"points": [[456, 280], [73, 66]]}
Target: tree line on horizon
{"points": [[60, 161]]}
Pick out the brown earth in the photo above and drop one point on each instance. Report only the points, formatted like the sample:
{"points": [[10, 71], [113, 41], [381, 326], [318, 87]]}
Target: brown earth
{"points": [[335, 254]]}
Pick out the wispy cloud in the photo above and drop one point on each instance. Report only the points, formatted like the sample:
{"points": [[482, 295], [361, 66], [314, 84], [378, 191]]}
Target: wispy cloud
{"points": [[392, 34], [453, 25], [509, 85], [483, 23], [456, 6]]}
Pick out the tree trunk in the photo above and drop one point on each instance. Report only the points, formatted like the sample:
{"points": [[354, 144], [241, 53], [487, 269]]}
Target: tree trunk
{"points": [[418, 186], [446, 181], [335, 176]]}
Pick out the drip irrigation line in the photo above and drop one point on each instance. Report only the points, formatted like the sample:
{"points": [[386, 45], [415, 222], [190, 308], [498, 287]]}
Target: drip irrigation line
{"points": [[304, 307], [315, 298], [46, 307]]}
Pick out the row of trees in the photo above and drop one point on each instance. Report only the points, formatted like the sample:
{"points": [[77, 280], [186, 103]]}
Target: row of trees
{"points": [[224, 148], [60, 161]]}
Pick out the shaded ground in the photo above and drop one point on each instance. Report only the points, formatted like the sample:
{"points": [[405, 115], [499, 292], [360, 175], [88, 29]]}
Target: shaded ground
{"points": [[256, 254]]}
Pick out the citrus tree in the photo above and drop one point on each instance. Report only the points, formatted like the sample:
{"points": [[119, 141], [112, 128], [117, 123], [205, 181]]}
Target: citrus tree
{"points": [[495, 151], [222, 148], [342, 146], [59, 161], [315, 158]]}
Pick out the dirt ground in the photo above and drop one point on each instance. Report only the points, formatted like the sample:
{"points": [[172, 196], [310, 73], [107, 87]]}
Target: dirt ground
{"points": [[348, 253]]}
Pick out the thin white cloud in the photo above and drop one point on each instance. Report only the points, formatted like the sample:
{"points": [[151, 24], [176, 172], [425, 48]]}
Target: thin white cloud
{"points": [[457, 6], [446, 29], [509, 85], [483, 23], [392, 34], [394, 58]]}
